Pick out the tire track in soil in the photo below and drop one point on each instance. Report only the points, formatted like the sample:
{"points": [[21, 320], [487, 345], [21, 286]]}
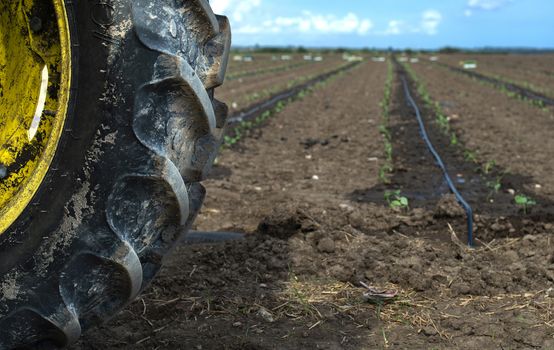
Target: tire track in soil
{"points": [[311, 244]]}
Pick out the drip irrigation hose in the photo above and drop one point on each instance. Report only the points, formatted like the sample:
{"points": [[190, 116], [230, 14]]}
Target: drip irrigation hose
{"points": [[263, 106], [440, 163], [195, 237], [521, 91]]}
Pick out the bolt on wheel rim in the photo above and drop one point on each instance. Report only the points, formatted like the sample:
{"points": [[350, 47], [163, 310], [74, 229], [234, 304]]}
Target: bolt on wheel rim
{"points": [[35, 74]]}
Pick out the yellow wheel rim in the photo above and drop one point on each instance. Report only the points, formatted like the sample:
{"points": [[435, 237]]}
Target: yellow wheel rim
{"points": [[35, 75]]}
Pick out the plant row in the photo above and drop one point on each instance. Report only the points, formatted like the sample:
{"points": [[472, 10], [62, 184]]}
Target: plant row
{"points": [[265, 70], [486, 167], [503, 84], [248, 99], [394, 198], [244, 127], [387, 167]]}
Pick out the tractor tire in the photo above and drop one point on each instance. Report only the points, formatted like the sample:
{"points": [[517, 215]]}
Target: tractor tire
{"points": [[142, 130]]}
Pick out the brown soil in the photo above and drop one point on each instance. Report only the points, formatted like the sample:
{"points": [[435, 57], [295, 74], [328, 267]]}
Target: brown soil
{"points": [[240, 91], [513, 133], [265, 68], [535, 72], [306, 188], [261, 63], [260, 60]]}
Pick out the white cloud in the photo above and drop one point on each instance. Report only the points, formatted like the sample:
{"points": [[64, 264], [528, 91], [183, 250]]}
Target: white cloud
{"points": [[237, 10], [487, 4], [248, 29], [245, 16], [220, 6], [394, 27], [365, 26], [431, 19], [429, 24], [310, 22]]}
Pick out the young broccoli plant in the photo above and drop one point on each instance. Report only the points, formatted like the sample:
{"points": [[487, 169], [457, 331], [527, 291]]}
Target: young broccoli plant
{"points": [[489, 166], [396, 200], [495, 185], [524, 202]]}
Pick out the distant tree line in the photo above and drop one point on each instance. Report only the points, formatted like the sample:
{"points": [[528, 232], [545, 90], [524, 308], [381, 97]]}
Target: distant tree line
{"points": [[379, 51]]}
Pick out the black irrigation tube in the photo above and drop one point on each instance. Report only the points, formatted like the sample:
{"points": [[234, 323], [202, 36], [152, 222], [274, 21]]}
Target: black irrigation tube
{"points": [[196, 237], [268, 104], [523, 92], [440, 163]]}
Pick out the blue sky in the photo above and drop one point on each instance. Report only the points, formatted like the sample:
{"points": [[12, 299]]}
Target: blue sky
{"points": [[400, 23]]}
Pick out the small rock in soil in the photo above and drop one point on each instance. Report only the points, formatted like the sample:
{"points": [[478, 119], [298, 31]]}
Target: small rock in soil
{"points": [[429, 331], [346, 207], [266, 315]]}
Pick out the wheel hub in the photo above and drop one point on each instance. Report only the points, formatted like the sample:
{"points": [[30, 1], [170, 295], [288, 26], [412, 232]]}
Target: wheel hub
{"points": [[34, 91]]}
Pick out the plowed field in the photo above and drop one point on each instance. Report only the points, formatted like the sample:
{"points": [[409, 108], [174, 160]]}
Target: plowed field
{"points": [[319, 195]]}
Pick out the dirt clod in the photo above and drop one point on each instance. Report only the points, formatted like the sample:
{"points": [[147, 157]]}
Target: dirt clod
{"points": [[281, 224], [326, 245], [448, 207]]}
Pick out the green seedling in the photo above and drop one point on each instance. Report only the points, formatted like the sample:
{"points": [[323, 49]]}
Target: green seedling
{"points": [[489, 166], [230, 141], [384, 131], [443, 122], [453, 139], [524, 202], [495, 185], [279, 107], [470, 156], [383, 173], [388, 151], [396, 200]]}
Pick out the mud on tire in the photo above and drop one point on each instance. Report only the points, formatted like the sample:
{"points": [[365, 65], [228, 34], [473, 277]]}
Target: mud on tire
{"points": [[142, 131]]}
